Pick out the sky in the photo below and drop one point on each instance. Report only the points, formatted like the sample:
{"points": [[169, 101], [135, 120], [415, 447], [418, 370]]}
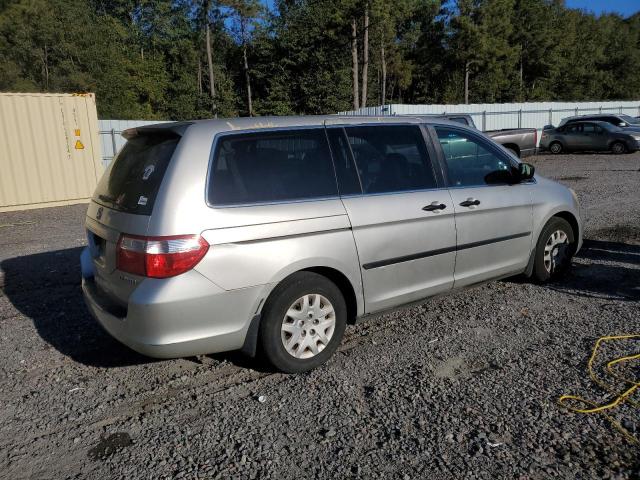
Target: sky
{"points": [[623, 7]]}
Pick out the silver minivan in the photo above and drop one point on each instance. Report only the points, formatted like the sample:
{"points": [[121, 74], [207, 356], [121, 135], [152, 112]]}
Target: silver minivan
{"points": [[270, 235]]}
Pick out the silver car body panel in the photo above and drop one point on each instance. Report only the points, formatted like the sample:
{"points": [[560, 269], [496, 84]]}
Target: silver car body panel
{"points": [[389, 249]]}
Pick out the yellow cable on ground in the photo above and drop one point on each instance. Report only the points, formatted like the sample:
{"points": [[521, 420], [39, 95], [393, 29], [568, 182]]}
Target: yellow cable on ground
{"points": [[620, 397]]}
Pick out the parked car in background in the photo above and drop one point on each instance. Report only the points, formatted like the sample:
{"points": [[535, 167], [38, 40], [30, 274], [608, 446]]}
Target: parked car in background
{"points": [[275, 233], [589, 136], [622, 121], [522, 142]]}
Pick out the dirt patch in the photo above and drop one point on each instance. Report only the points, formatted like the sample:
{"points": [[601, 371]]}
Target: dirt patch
{"points": [[107, 446], [629, 234]]}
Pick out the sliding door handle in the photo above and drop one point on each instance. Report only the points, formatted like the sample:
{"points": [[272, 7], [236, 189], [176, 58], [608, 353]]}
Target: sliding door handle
{"points": [[435, 206], [470, 202]]}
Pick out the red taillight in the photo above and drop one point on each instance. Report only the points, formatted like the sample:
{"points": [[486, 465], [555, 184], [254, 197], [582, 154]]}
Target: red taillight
{"points": [[159, 257]]}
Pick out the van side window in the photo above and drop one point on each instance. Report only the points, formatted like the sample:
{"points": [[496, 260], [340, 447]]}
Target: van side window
{"points": [[471, 161], [271, 167], [348, 180], [391, 158]]}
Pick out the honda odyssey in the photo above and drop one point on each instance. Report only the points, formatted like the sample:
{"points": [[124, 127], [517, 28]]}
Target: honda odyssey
{"points": [[270, 235]]}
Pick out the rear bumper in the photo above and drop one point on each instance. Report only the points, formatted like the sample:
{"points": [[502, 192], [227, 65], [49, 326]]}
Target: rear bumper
{"points": [[177, 317]]}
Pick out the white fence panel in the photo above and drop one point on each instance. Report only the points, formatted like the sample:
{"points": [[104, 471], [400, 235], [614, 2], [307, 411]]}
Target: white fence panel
{"points": [[496, 116], [111, 139]]}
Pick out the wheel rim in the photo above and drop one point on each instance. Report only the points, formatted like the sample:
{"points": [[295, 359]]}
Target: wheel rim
{"points": [[618, 148], [555, 148], [308, 326], [556, 251]]}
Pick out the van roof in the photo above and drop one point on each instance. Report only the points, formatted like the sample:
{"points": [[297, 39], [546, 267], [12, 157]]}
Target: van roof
{"points": [[254, 123]]}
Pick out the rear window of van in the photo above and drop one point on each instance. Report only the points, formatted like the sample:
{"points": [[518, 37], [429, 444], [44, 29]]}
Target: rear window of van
{"points": [[271, 166], [132, 182]]}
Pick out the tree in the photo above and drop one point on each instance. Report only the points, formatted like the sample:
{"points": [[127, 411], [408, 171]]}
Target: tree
{"points": [[246, 15]]}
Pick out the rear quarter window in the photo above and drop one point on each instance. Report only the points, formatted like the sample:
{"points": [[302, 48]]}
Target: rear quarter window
{"points": [[133, 180], [271, 166]]}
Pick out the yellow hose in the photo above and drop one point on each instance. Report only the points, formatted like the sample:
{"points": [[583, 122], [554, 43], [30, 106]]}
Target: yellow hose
{"points": [[619, 398]]}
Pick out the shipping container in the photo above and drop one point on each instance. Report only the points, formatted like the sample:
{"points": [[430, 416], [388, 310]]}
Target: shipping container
{"points": [[49, 149]]}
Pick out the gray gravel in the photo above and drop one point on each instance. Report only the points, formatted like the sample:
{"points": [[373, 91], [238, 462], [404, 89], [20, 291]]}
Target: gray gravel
{"points": [[463, 386]]}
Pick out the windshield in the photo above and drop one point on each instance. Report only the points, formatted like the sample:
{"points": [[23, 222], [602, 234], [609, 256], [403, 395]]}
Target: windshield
{"points": [[133, 180], [630, 120]]}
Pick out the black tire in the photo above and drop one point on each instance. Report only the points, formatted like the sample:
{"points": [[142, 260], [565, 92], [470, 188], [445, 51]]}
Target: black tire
{"points": [[543, 272], [618, 148], [556, 148], [282, 298]]}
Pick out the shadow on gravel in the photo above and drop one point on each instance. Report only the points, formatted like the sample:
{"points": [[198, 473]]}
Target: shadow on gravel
{"points": [[45, 287], [620, 281]]}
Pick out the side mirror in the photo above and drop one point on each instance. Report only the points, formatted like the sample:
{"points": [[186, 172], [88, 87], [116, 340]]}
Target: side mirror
{"points": [[525, 171]]}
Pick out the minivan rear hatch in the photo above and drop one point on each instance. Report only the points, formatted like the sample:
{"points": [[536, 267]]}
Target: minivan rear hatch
{"points": [[123, 202], [133, 181]]}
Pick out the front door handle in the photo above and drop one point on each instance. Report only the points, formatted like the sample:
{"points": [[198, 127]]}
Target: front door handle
{"points": [[434, 207], [470, 202]]}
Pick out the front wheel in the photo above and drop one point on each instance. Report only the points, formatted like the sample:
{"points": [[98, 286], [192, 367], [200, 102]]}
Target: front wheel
{"points": [[302, 323], [554, 250]]}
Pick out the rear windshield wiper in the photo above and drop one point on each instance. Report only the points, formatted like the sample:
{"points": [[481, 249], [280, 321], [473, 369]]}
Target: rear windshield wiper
{"points": [[116, 205]]}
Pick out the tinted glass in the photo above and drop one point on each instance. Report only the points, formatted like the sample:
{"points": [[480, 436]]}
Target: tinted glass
{"points": [[629, 119], [271, 167], [589, 128], [471, 161], [574, 129], [461, 120], [614, 121], [348, 181], [133, 181], [391, 158]]}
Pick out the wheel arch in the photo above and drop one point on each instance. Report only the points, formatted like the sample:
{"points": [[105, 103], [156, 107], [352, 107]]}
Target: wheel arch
{"points": [[512, 146], [354, 302], [566, 215]]}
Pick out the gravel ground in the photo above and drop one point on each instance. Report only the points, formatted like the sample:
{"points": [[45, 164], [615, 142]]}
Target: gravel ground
{"points": [[462, 386]]}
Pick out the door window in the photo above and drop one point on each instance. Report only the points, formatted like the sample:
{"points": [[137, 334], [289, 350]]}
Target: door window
{"points": [[271, 167], [391, 158], [472, 161], [348, 179]]}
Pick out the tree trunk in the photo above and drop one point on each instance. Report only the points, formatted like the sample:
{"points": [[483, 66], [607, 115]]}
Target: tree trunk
{"points": [[354, 63], [521, 76], [199, 78], [384, 75], [247, 79], [212, 80], [365, 57], [45, 61], [467, 66]]}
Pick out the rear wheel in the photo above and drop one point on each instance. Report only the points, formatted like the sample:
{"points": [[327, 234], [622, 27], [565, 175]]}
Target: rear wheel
{"points": [[303, 322], [514, 151], [555, 148], [554, 250], [618, 148]]}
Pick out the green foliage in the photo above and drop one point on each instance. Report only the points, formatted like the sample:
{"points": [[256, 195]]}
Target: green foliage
{"points": [[147, 58]]}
